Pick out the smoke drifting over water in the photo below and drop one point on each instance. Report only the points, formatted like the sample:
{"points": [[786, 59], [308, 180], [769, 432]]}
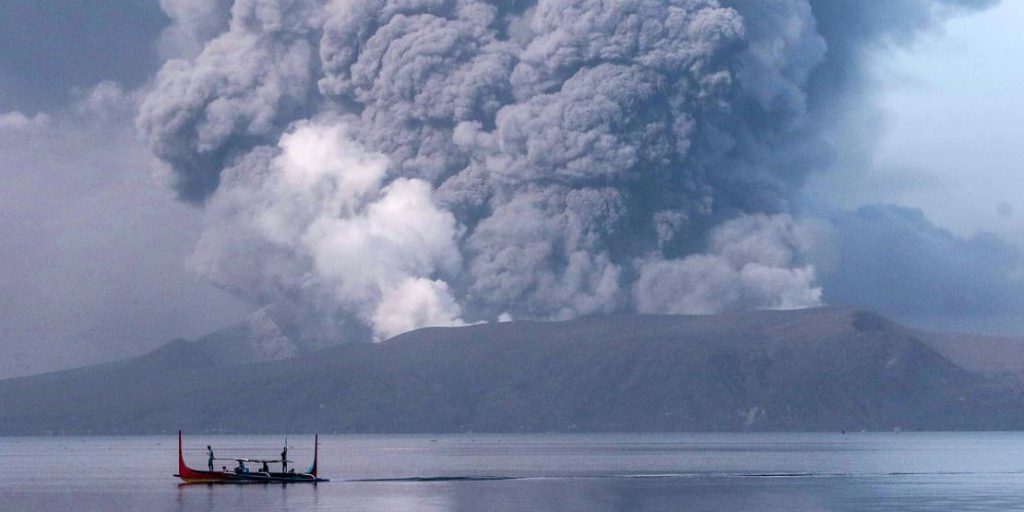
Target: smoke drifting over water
{"points": [[386, 165]]}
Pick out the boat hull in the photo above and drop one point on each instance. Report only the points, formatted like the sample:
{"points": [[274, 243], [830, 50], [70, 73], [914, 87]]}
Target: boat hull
{"points": [[220, 477]]}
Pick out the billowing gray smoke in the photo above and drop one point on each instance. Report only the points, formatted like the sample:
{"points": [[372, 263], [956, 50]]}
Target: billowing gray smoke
{"points": [[382, 165]]}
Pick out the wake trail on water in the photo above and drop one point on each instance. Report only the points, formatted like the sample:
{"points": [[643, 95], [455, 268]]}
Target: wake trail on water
{"points": [[439, 479], [780, 475]]}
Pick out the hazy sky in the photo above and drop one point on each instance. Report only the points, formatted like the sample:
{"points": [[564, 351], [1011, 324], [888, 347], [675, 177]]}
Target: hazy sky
{"points": [[956, 119], [93, 243], [952, 134], [92, 258], [949, 144]]}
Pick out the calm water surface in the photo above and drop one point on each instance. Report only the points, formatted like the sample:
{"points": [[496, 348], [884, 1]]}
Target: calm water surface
{"points": [[699, 472]]}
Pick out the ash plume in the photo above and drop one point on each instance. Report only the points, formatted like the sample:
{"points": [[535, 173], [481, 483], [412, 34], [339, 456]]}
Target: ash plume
{"points": [[392, 164]]}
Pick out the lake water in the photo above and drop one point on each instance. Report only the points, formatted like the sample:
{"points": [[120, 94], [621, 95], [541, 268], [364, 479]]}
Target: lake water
{"points": [[650, 472]]}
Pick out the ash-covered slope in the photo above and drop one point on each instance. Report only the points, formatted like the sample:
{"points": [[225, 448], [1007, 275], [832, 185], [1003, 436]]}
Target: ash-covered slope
{"points": [[1001, 356], [821, 369]]}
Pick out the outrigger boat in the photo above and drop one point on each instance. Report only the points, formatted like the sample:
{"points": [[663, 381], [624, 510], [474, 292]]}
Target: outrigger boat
{"points": [[241, 474]]}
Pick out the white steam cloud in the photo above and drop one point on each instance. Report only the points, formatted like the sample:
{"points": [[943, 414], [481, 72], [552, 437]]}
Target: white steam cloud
{"points": [[754, 262], [326, 227]]}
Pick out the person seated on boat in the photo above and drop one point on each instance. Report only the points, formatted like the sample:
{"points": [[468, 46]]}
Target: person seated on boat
{"points": [[241, 467], [264, 467], [209, 461]]}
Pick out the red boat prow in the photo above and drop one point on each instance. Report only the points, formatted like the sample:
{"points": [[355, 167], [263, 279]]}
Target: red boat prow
{"points": [[316, 447], [192, 476]]}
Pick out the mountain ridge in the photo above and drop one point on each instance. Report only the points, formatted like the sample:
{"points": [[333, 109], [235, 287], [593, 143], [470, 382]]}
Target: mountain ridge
{"points": [[818, 369]]}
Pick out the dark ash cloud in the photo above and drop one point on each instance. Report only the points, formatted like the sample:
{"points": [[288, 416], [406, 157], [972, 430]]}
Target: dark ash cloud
{"points": [[557, 158]]}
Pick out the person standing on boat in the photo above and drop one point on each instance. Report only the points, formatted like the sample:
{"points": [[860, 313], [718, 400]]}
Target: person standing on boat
{"points": [[284, 459], [209, 461]]}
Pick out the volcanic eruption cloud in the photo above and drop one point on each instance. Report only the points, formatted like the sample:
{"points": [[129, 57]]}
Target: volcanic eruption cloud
{"points": [[384, 165]]}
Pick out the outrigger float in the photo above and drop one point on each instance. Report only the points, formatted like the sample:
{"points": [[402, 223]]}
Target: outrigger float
{"points": [[241, 474]]}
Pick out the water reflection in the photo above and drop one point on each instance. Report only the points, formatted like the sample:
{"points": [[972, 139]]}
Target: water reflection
{"points": [[756, 472]]}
